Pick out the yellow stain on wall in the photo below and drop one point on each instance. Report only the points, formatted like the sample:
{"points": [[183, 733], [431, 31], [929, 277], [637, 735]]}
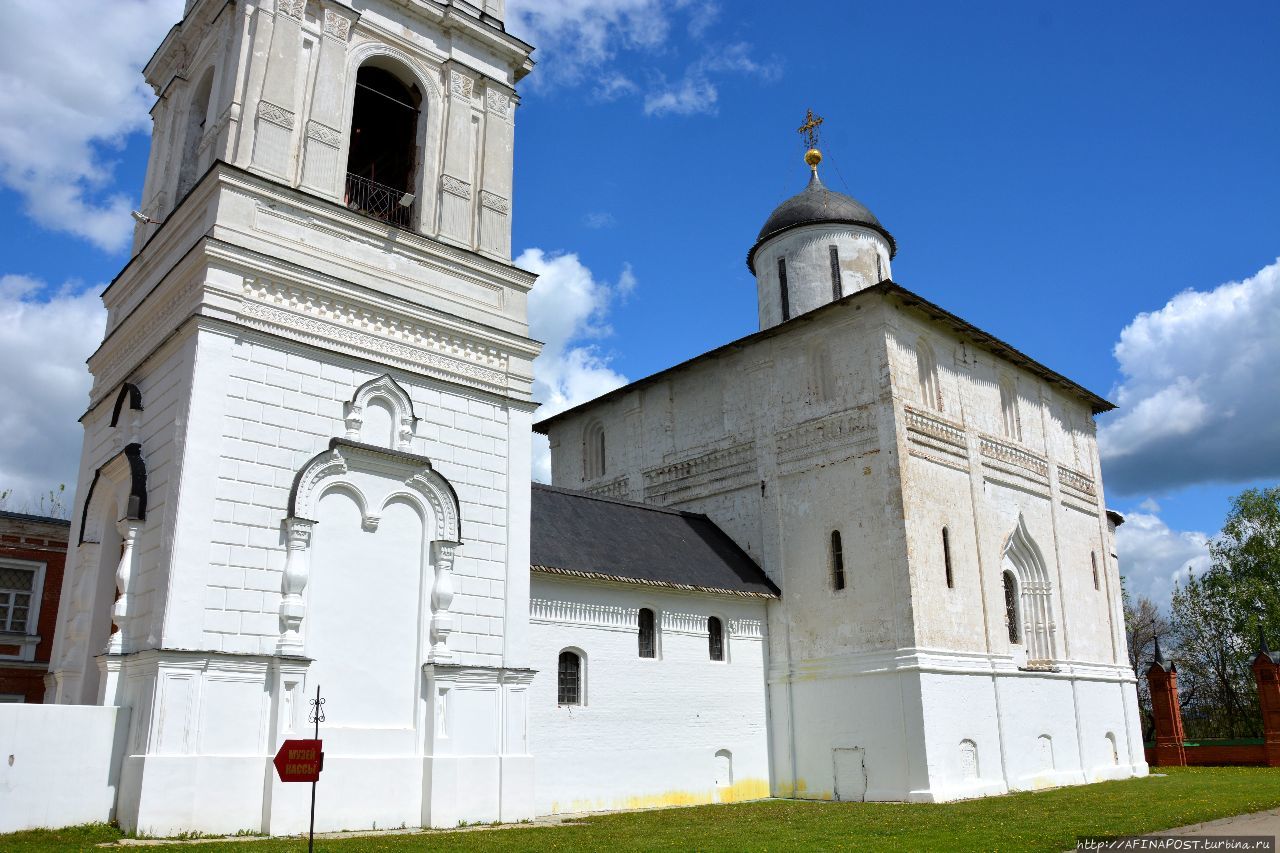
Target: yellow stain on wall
{"points": [[746, 789]]}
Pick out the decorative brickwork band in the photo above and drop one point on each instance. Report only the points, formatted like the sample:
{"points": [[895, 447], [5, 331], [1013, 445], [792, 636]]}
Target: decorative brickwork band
{"points": [[1162, 676], [1266, 673]]}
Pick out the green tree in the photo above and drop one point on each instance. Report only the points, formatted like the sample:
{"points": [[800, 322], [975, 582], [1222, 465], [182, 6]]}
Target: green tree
{"points": [[1246, 563], [1215, 684]]}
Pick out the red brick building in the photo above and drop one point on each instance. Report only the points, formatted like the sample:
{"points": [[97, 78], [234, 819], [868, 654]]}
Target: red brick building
{"points": [[33, 550]]}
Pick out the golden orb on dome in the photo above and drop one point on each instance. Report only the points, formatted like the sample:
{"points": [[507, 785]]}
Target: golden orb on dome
{"points": [[813, 157]]}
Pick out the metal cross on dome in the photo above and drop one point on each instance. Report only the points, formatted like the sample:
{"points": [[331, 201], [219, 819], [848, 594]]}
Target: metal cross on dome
{"points": [[809, 130]]}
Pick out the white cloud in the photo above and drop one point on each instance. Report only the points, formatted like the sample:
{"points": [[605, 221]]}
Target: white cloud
{"points": [[599, 219], [1153, 556], [693, 95], [48, 333], [1200, 397], [615, 86], [696, 92], [575, 37], [70, 94], [568, 308]]}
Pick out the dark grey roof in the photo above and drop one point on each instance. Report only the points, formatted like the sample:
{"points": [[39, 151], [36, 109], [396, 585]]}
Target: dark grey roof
{"points": [[594, 537], [39, 519], [814, 205]]}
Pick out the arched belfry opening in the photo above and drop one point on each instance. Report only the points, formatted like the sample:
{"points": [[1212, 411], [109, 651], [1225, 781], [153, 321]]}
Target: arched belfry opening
{"points": [[383, 154]]}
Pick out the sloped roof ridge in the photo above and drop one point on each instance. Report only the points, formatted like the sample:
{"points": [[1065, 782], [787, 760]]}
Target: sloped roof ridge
{"points": [[578, 493]]}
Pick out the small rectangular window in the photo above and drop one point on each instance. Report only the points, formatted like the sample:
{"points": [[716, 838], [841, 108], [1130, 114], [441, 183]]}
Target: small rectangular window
{"points": [[837, 561], [569, 682], [16, 589], [946, 557], [782, 289], [835, 272], [1093, 558], [648, 642], [715, 638]]}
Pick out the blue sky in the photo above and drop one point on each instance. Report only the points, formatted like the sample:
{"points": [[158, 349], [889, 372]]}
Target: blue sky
{"points": [[1050, 173]]}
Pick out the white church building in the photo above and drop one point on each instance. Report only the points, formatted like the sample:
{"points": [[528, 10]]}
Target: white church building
{"points": [[860, 554]]}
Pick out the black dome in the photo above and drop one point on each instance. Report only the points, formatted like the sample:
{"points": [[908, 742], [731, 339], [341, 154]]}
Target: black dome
{"points": [[817, 204]]}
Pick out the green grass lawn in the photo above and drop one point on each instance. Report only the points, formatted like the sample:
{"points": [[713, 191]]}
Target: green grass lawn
{"points": [[1046, 820]]}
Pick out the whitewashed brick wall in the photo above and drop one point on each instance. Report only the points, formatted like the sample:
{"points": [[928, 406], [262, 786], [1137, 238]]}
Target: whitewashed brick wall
{"points": [[284, 403], [649, 730]]}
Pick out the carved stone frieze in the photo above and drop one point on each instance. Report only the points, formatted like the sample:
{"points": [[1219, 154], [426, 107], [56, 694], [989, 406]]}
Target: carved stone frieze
{"points": [[329, 321], [493, 201], [498, 103], [324, 134], [461, 84], [821, 436], [268, 111], [1077, 481], [579, 613], [293, 8], [455, 186], [1013, 455], [923, 424], [613, 489], [336, 25], [720, 464]]}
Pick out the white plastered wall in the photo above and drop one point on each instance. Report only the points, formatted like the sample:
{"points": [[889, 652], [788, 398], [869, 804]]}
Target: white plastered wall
{"points": [[649, 730]]}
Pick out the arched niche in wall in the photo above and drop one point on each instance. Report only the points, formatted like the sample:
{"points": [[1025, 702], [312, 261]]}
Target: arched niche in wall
{"points": [[97, 614], [1024, 559], [381, 413], [371, 539]]}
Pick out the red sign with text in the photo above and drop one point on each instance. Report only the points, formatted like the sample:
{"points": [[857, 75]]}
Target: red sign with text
{"points": [[299, 761]]}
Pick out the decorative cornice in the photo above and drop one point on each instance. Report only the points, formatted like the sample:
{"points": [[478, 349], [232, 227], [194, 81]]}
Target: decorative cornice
{"points": [[327, 322], [269, 112]]}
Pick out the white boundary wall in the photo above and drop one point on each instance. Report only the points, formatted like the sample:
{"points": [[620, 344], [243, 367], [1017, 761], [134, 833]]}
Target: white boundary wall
{"points": [[57, 764]]}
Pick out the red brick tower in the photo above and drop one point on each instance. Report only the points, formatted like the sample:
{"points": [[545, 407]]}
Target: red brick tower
{"points": [[1162, 676], [1266, 673]]}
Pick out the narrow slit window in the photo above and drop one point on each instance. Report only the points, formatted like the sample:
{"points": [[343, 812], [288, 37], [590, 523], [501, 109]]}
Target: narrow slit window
{"points": [[648, 641], [1093, 558], [569, 680], [837, 561], [879, 267], [782, 289], [946, 557], [835, 272], [1011, 606], [715, 638]]}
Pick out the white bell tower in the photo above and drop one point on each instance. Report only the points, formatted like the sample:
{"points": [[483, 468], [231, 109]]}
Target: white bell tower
{"points": [[306, 456]]}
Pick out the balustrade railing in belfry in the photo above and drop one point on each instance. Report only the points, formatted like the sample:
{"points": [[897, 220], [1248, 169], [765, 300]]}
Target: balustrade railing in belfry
{"points": [[379, 201]]}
